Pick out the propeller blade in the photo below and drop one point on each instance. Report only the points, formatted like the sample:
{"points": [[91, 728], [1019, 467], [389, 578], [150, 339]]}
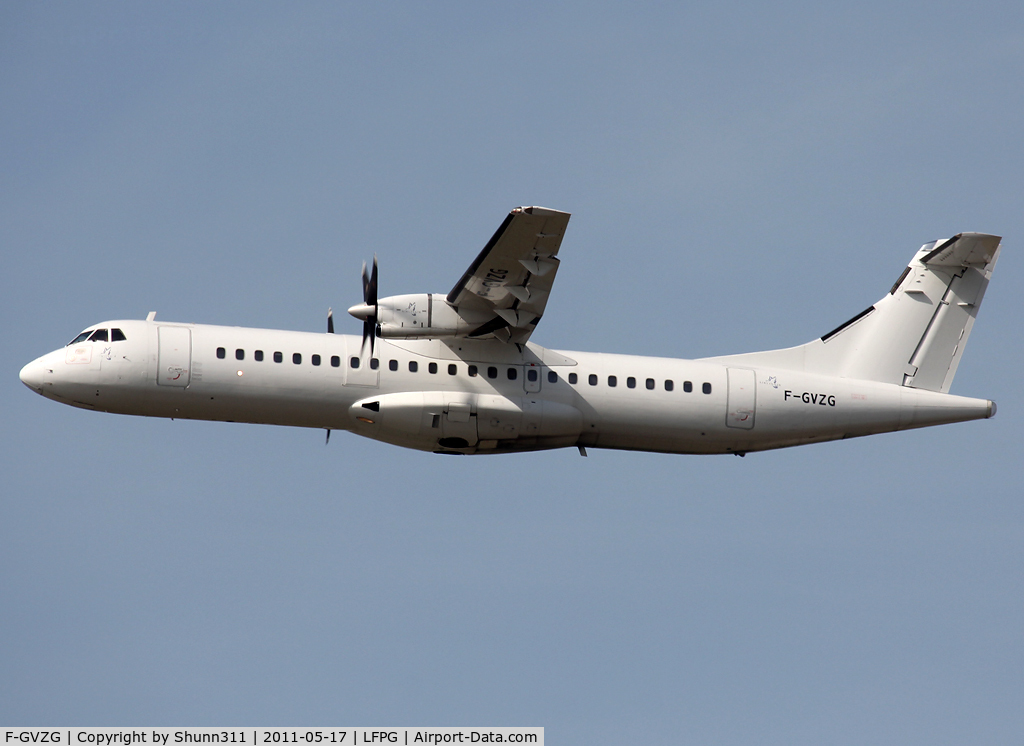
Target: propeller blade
{"points": [[369, 332], [370, 287], [330, 321], [370, 299]]}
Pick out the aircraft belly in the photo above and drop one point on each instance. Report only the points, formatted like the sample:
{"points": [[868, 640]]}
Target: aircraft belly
{"points": [[626, 423]]}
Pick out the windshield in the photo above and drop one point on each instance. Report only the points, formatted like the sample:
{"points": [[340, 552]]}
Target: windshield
{"points": [[80, 338]]}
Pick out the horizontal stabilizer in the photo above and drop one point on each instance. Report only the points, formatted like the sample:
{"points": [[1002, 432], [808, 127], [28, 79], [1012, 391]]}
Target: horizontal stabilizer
{"points": [[961, 250]]}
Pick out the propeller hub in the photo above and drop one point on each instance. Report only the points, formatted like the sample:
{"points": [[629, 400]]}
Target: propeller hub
{"points": [[363, 311]]}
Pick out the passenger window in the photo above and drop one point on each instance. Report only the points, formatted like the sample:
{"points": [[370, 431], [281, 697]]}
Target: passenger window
{"points": [[531, 374], [687, 386], [100, 335], [116, 335], [706, 388], [513, 374], [452, 369], [669, 385], [552, 377], [278, 357], [315, 359], [239, 354], [650, 384], [392, 365], [413, 366], [258, 355], [335, 361], [573, 378], [592, 379], [472, 371], [631, 383], [221, 353], [374, 363], [353, 362], [613, 381], [492, 372], [432, 367]]}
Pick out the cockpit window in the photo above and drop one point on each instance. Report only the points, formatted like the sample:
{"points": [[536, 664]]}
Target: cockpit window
{"points": [[80, 338], [116, 335], [100, 335]]}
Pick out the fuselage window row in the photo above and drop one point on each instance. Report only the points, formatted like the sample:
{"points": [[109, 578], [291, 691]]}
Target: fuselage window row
{"points": [[532, 374], [650, 383], [222, 353]]}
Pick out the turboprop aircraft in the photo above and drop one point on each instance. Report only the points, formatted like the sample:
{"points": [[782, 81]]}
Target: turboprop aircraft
{"points": [[458, 374]]}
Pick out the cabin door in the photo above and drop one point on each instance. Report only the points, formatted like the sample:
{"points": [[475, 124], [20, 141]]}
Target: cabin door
{"points": [[174, 360], [740, 406]]}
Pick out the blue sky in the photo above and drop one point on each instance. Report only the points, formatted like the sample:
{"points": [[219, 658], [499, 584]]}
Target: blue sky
{"points": [[741, 176]]}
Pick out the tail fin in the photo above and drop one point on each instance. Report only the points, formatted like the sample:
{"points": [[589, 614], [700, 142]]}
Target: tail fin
{"points": [[916, 334]]}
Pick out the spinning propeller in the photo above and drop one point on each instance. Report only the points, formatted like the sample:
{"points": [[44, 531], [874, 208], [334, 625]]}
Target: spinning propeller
{"points": [[367, 310]]}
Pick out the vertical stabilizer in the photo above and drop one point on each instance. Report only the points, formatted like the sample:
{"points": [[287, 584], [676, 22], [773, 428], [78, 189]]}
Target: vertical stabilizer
{"points": [[969, 266], [915, 335]]}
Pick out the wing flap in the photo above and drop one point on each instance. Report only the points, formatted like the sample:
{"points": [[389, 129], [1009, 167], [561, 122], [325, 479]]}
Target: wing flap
{"points": [[513, 274]]}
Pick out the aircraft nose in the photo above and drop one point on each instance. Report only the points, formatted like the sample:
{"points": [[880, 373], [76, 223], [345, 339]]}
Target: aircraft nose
{"points": [[35, 374]]}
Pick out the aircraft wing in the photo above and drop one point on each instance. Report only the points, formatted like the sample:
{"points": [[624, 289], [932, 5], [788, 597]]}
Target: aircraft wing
{"points": [[512, 276]]}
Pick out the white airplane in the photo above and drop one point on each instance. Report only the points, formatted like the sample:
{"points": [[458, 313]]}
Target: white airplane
{"points": [[458, 374]]}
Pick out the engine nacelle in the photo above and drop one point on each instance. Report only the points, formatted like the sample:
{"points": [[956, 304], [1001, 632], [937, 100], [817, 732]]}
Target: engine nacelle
{"points": [[424, 315]]}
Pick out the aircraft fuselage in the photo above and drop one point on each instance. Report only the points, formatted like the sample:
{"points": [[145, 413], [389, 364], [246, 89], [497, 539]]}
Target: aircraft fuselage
{"points": [[472, 396]]}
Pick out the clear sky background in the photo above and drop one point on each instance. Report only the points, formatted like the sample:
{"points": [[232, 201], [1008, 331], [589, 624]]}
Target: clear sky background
{"points": [[741, 176]]}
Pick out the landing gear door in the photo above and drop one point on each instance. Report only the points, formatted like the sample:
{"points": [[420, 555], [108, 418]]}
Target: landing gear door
{"points": [[174, 360], [740, 407], [531, 381], [458, 425]]}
